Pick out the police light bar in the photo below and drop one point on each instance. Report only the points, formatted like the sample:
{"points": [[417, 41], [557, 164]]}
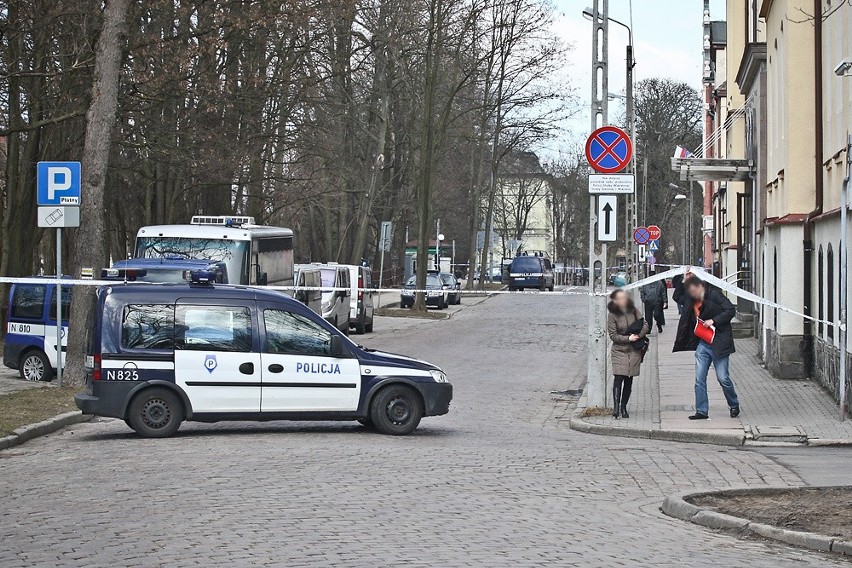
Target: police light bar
{"points": [[124, 274], [223, 220]]}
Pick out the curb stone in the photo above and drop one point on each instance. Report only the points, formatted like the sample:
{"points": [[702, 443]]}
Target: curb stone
{"points": [[579, 423], [26, 433], [678, 507]]}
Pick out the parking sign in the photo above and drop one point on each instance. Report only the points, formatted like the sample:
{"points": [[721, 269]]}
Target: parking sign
{"points": [[58, 183]]}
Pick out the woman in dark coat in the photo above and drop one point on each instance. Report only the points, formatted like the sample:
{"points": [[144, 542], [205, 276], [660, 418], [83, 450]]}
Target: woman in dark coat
{"points": [[625, 327]]}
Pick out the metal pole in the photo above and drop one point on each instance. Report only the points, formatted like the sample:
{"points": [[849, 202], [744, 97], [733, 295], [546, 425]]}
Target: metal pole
{"points": [[631, 128], [844, 222], [597, 367], [689, 221], [59, 306], [381, 273]]}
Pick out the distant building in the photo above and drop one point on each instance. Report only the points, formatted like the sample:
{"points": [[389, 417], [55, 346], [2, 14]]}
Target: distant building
{"points": [[522, 208]]}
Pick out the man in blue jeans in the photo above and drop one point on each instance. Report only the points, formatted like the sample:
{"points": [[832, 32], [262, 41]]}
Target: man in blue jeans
{"points": [[707, 307]]}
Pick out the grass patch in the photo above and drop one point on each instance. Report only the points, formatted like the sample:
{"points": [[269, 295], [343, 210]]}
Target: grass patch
{"points": [[34, 405], [596, 411]]}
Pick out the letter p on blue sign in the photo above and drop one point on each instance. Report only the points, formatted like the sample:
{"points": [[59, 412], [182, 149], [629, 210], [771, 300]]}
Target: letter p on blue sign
{"points": [[58, 183]]}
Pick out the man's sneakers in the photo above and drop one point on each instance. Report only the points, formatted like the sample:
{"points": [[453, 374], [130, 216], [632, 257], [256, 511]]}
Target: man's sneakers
{"points": [[735, 411]]}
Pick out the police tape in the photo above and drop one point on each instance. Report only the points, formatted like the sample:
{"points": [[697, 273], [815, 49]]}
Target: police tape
{"points": [[682, 270]]}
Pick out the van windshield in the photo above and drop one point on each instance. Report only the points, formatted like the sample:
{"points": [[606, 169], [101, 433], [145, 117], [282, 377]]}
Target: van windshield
{"points": [[232, 253], [526, 264], [328, 275]]}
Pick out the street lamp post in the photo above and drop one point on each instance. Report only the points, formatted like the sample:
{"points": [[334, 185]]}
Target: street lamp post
{"points": [[630, 217], [689, 218]]}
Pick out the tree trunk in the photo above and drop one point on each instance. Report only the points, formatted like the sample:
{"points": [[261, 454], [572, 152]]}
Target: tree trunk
{"points": [[100, 121]]}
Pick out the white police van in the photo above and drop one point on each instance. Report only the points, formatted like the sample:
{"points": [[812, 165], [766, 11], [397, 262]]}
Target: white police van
{"points": [[162, 354]]}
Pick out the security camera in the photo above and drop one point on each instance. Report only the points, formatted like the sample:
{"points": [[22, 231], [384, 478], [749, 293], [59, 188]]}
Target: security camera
{"points": [[843, 67]]}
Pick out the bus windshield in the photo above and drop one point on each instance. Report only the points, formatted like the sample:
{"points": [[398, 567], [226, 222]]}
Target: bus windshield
{"points": [[232, 253]]}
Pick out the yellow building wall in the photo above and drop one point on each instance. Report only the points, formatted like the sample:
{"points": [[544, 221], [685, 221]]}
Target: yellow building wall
{"points": [[790, 108]]}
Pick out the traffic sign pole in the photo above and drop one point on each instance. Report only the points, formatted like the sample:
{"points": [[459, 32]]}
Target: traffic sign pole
{"points": [[58, 193], [597, 365]]}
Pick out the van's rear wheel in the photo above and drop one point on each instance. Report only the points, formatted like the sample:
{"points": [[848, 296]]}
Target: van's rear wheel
{"points": [[155, 413], [396, 410], [34, 366]]}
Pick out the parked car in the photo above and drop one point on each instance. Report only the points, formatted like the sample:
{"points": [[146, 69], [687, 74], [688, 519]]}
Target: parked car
{"points": [[436, 293], [159, 355], [360, 302], [453, 285], [531, 272], [494, 274], [309, 276], [335, 303], [30, 345]]}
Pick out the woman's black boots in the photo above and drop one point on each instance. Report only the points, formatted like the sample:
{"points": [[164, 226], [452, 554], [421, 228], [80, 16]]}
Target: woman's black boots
{"points": [[616, 399], [627, 389]]}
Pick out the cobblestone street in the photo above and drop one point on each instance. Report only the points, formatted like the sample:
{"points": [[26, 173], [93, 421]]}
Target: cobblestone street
{"points": [[500, 481]]}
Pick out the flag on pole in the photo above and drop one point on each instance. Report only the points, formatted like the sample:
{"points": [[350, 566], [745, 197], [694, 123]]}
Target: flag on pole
{"points": [[681, 152]]}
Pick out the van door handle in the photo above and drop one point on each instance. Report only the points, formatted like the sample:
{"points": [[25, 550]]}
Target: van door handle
{"points": [[247, 368], [276, 368]]}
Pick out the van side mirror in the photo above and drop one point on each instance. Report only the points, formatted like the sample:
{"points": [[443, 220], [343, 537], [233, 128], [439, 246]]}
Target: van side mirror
{"points": [[337, 349]]}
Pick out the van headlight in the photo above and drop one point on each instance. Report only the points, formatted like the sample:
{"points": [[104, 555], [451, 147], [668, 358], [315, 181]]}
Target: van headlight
{"points": [[439, 376]]}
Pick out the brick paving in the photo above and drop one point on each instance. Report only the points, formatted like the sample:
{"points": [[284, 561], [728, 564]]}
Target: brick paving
{"points": [[664, 397], [500, 481]]}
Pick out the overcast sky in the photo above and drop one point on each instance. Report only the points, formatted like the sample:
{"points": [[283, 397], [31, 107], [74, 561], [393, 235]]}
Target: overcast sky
{"points": [[668, 43]]}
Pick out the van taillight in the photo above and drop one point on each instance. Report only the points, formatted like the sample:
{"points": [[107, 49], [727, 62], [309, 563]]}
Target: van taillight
{"points": [[96, 367], [360, 287]]}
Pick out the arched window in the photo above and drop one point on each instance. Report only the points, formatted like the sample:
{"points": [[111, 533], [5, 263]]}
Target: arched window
{"points": [[775, 287], [820, 290], [829, 277]]}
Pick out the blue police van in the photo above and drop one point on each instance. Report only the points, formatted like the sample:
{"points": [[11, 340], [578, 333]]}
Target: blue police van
{"points": [[30, 345], [162, 354]]}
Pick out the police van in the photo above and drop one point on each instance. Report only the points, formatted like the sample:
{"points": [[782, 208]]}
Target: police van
{"points": [[162, 354], [30, 345], [252, 254]]}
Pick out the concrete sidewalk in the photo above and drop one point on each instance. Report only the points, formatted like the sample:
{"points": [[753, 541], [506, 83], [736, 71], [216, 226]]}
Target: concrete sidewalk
{"points": [[774, 411]]}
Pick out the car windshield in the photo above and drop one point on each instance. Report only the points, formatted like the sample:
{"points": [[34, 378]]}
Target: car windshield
{"points": [[526, 264], [432, 280], [448, 279], [232, 253]]}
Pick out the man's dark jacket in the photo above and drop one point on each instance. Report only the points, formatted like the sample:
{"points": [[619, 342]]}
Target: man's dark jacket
{"points": [[715, 307]]}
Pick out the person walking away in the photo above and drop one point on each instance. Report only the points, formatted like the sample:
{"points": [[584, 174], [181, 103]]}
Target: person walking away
{"points": [[655, 299], [627, 330], [678, 292], [705, 328]]}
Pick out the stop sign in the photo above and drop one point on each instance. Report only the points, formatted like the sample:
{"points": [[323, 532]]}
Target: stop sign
{"points": [[655, 232]]}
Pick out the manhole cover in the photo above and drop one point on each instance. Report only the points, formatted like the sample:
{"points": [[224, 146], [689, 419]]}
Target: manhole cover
{"points": [[779, 433]]}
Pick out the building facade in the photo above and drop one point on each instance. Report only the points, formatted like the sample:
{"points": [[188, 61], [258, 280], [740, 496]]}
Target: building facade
{"points": [[775, 161]]}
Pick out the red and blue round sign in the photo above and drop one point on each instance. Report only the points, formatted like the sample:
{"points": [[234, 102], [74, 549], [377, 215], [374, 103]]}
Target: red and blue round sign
{"points": [[609, 150]]}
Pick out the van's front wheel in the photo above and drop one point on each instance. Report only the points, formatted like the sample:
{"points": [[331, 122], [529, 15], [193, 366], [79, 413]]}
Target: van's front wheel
{"points": [[396, 410], [34, 366], [155, 413]]}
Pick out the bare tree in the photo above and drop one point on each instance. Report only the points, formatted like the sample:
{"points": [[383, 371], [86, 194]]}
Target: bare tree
{"points": [[100, 121]]}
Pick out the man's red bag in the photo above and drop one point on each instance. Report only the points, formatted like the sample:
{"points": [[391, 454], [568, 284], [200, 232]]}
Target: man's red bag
{"points": [[704, 333]]}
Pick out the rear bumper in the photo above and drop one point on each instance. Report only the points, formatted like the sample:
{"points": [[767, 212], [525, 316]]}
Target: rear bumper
{"points": [[530, 282], [108, 398], [437, 397]]}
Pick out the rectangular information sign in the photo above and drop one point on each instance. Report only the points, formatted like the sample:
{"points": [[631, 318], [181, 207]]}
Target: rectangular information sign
{"points": [[611, 184]]}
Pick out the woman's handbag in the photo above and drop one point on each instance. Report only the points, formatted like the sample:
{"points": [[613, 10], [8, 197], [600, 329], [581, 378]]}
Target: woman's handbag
{"points": [[640, 344]]}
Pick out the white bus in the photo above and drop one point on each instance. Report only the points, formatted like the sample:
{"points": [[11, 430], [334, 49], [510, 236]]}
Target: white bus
{"points": [[252, 254]]}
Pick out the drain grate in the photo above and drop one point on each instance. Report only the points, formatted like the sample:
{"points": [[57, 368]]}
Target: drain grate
{"points": [[568, 393]]}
